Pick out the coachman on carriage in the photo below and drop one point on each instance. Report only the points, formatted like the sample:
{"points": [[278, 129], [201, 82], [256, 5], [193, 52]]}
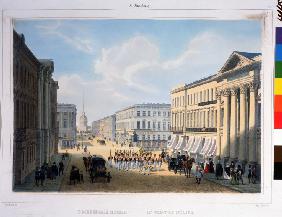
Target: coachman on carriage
{"points": [[98, 169], [181, 163]]}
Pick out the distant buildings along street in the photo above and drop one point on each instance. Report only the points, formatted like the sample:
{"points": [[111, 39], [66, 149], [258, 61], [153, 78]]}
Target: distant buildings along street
{"points": [[105, 128], [144, 125], [66, 114]]}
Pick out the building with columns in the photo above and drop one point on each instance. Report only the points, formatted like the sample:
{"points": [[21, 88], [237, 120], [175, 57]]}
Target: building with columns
{"points": [[35, 100], [146, 125], [219, 116], [47, 109], [66, 114], [105, 128]]}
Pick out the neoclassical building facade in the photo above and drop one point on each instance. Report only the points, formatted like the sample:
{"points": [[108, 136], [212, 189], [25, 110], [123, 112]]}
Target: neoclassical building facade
{"points": [[25, 71], [66, 117], [146, 125], [47, 109], [219, 116], [35, 100]]}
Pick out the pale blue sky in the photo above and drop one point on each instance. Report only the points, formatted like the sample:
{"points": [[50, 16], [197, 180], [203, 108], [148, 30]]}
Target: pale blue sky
{"points": [[122, 62]]}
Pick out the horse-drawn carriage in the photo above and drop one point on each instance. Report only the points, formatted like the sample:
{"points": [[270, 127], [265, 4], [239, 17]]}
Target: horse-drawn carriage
{"points": [[174, 165], [75, 176], [101, 141], [181, 163], [98, 169]]}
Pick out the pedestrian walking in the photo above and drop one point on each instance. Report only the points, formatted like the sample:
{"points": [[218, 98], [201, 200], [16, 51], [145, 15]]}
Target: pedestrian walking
{"points": [[37, 176], [54, 170], [250, 173], [160, 159], [198, 174], [42, 175], [61, 168], [218, 170]]}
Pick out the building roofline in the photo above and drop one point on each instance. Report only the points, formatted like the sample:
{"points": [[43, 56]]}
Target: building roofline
{"points": [[219, 73], [143, 104]]}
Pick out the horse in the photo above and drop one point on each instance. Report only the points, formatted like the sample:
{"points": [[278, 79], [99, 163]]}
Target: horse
{"points": [[187, 166]]}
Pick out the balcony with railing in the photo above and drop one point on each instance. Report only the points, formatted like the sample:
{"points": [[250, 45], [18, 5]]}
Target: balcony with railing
{"points": [[177, 129], [202, 129], [207, 103]]}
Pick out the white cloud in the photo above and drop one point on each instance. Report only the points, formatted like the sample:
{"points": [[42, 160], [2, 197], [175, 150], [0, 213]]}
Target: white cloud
{"points": [[82, 44], [99, 101], [133, 72]]}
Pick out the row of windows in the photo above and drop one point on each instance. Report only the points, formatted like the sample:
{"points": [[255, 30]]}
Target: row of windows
{"points": [[155, 125], [154, 113], [196, 119], [24, 76], [144, 114], [191, 99], [25, 115], [68, 119], [28, 156], [154, 137]]}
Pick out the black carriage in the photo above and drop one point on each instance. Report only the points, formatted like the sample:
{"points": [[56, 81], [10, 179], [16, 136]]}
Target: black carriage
{"points": [[101, 142], [175, 164], [75, 176], [98, 169]]}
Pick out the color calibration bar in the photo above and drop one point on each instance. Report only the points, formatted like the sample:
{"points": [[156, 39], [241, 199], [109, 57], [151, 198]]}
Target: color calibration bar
{"points": [[278, 80]]}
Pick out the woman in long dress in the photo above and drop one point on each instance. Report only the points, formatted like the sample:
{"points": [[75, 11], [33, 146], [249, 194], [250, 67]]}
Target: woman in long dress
{"points": [[198, 175]]}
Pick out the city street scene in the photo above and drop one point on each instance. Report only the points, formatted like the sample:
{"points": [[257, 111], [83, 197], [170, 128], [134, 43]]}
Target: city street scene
{"points": [[137, 106]]}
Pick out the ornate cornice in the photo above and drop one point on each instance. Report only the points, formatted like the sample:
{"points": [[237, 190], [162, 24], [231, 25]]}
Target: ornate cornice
{"points": [[218, 94], [253, 86], [226, 92], [234, 91], [243, 89]]}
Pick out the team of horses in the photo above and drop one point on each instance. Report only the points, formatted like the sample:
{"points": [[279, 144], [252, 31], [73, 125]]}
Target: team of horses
{"points": [[181, 164]]}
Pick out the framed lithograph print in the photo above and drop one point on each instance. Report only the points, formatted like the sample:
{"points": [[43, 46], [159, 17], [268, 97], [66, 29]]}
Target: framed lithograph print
{"points": [[140, 108]]}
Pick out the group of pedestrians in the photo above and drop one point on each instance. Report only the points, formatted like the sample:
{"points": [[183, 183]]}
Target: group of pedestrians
{"points": [[235, 173], [145, 162], [83, 147], [48, 171]]}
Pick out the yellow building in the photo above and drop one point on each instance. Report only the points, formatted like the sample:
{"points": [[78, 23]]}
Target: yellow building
{"points": [[219, 116]]}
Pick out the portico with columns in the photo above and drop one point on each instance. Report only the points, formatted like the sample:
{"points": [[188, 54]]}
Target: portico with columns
{"points": [[224, 107], [240, 103]]}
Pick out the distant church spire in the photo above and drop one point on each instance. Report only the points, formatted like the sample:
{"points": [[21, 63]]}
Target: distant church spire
{"points": [[82, 127], [83, 102]]}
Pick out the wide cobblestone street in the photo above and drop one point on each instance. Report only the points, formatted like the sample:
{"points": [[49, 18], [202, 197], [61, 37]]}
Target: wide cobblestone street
{"points": [[133, 181]]}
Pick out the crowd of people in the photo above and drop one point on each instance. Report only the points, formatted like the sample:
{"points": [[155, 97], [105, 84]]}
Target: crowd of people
{"points": [[234, 172], [144, 162], [48, 171]]}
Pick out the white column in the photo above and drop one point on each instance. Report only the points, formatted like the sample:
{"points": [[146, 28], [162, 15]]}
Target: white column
{"points": [[196, 118], [206, 118], [214, 118], [252, 123], [233, 124], [226, 125], [243, 123], [218, 140]]}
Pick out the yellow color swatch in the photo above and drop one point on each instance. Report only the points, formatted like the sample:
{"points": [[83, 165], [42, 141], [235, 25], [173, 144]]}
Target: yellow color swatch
{"points": [[278, 86]]}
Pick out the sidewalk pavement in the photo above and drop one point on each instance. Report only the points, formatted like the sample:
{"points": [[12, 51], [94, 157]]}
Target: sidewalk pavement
{"points": [[49, 185], [245, 188]]}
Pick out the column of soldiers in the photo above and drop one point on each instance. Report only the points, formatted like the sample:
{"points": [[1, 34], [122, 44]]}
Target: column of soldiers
{"points": [[144, 162]]}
